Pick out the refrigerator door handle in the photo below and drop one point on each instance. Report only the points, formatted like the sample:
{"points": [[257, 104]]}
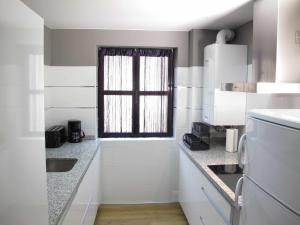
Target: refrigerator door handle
{"points": [[238, 200], [241, 150]]}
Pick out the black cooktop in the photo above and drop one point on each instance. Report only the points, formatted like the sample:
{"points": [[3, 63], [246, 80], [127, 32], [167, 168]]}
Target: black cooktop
{"points": [[229, 174]]}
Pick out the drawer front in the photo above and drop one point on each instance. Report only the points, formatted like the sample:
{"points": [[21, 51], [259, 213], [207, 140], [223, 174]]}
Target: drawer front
{"points": [[211, 212], [216, 209]]}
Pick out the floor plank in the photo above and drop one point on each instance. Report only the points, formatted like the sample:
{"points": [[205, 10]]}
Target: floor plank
{"points": [[146, 214]]}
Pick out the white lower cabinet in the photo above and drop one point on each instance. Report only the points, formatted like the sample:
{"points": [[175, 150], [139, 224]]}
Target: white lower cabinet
{"points": [[85, 204], [201, 202]]}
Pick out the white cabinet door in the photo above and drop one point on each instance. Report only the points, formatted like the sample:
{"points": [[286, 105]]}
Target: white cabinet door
{"points": [[23, 179], [190, 196], [229, 107], [84, 207], [200, 201], [94, 203], [259, 208]]}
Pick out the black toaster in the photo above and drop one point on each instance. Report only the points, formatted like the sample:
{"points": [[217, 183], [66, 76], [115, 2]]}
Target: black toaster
{"points": [[55, 136]]}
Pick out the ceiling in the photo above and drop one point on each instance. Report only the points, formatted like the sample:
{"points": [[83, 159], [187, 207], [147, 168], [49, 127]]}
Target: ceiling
{"points": [[175, 15]]}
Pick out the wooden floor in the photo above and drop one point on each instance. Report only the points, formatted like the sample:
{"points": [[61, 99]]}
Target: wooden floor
{"points": [[148, 214]]}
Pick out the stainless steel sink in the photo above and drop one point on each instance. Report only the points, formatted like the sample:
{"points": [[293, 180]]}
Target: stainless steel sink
{"points": [[59, 164]]}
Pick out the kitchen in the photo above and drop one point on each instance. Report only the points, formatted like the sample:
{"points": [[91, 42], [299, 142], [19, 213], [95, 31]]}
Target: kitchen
{"points": [[140, 91]]}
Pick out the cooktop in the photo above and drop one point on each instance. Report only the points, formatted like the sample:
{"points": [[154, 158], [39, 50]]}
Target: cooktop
{"points": [[229, 174]]}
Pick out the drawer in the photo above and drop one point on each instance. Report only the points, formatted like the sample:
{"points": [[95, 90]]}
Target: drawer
{"points": [[217, 210], [200, 200], [211, 218]]}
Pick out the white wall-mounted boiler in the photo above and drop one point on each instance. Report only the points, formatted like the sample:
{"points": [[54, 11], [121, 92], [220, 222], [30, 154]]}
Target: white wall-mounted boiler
{"points": [[224, 63]]}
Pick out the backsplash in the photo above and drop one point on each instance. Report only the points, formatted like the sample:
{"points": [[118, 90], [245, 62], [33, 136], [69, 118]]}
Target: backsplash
{"points": [[188, 98], [70, 93]]}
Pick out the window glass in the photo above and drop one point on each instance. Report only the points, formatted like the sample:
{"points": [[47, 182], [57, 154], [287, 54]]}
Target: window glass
{"points": [[153, 73], [153, 114], [118, 73], [117, 113]]}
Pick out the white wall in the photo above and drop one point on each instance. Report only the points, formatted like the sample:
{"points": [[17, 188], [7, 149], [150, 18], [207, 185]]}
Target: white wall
{"points": [[133, 170], [70, 93], [146, 170], [271, 101], [139, 171]]}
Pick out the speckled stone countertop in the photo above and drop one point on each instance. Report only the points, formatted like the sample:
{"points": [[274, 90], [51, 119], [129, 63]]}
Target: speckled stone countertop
{"points": [[63, 185], [214, 156]]}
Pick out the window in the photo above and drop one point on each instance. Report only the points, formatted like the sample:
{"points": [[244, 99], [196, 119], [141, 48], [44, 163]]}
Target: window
{"points": [[135, 92]]}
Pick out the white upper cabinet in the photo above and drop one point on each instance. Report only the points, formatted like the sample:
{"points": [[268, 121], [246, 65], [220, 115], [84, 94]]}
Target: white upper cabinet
{"points": [[224, 63], [23, 195]]}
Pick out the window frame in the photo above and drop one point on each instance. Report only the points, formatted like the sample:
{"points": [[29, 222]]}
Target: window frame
{"points": [[136, 93]]}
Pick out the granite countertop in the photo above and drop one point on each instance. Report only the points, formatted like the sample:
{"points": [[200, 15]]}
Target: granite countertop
{"points": [[62, 186], [216, 155]]}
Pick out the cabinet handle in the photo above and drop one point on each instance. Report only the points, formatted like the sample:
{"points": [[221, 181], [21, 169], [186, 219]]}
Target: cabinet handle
{"points": [[202, 221], [241, 149], [215, 206]]}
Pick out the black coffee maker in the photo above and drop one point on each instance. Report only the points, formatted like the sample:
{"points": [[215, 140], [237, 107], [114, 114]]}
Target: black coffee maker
{"points": [[75, 133]]}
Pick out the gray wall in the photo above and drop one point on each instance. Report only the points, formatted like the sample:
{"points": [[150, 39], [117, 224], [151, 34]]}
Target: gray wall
{"points": [[79, 47], [47, 46], [198, 39], [66, 47], [244, 36]]}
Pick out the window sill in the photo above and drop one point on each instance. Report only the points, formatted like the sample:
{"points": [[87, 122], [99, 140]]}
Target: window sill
{"points": [[137, 139]]}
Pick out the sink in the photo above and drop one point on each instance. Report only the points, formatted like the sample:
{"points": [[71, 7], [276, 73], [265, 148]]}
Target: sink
{"points": [[60, 164]]}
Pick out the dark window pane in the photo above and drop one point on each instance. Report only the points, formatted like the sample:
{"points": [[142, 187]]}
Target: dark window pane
{"points": [[153, 114], [153, 73], [118, 73], [117, 113]]}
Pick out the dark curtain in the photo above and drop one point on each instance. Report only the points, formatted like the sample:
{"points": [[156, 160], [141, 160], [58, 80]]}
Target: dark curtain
{"points": [[154, 52]]}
